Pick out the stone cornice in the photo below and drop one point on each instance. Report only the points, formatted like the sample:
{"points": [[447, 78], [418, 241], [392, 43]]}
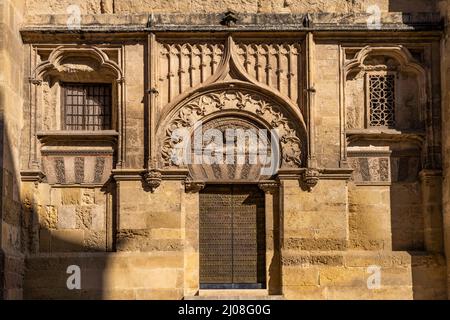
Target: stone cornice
{"points": [[59, 136], [35, 176], [251, 22]]}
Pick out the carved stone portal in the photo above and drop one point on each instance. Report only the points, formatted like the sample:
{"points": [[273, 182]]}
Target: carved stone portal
{"points": [[246, 103]]}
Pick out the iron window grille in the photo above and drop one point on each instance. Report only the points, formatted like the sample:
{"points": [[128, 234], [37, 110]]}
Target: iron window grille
{"points": [[87, 106], [382, 100]]}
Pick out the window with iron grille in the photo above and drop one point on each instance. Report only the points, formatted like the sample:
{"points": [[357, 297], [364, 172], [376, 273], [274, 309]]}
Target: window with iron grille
{"points": [[382, 100], [87, 106]]}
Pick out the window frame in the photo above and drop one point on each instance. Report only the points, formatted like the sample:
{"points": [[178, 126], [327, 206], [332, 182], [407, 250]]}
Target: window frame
{"points": [[64, 87], [368, 100]]}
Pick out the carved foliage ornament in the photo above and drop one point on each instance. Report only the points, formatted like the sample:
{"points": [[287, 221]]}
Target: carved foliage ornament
{"points": [[311, 178], [194, 186], [153, 179], [191, 113]]}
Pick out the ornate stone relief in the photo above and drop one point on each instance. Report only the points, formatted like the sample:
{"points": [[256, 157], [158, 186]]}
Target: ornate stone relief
{"points": [[310, 178], [276, 65], [152, 179], [205, 83], [372, 165], [78, 59], [72, 168], [183, 66], [193, 186], [238, 100], [384, 87], [269, 187]]}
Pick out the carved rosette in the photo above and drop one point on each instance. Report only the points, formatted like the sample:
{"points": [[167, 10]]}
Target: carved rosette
{"points": [[193, 186], [153, 179], [269, 187], [311, 178]]}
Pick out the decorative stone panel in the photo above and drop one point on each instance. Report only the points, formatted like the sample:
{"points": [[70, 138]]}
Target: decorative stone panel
{"points": [[372, 165], [68, 160]]}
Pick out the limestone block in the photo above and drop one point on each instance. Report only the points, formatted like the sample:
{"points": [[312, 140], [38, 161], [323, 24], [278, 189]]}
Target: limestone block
{"points": [[304, 293], [11, 237], [83, 217], [131, 218], [297, 276], [48, 217], [98, 218], [100, 197], [94, 241], [67, 240], [55, 197], [67, 217], [160, 294], [163, 220], [165, 233], [87, 196], [340, 276], [70, 196]]}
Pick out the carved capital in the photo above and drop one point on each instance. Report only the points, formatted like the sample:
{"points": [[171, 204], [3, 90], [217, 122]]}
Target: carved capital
{"points": [[269, 187], [153, 179], [193, 186], [311, 178]]}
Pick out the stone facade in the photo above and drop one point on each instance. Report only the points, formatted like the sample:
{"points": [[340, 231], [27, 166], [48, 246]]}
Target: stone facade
{"points": [[359, 190]]}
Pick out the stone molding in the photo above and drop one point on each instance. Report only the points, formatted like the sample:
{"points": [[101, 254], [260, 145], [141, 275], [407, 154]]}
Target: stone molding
{"points": [[240, 22]]}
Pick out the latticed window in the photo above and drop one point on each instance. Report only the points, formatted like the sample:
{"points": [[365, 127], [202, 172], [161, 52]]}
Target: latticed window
{"points": [[382, 100], [87, 106]]}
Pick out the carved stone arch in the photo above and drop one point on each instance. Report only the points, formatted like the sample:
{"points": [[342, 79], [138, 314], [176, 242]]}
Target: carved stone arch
{"points": [[402, 56], [243, 100], [72, 59], [411, 88]]}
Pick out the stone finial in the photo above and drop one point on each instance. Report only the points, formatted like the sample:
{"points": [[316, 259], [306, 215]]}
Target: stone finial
{"points": [[153, 179], [193, 186], [269, 187], [229, 18], [311, 178]]}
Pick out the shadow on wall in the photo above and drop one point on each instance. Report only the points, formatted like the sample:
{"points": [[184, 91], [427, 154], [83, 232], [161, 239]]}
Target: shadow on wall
{"points": [[11, 214], [408, 227], [25, 271], [413, 5]]}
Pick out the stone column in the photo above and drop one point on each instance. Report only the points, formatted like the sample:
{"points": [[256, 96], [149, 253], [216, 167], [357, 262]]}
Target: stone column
{"points": [[431, 185], [273, 271], [191, 211]]}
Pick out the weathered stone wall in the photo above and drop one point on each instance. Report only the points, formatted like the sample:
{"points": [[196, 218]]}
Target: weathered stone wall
{"points": [[11, 98], [248, 6], [330, 235]]}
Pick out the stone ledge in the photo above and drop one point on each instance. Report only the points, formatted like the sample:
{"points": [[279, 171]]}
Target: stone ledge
{"points": [[245, 22]]}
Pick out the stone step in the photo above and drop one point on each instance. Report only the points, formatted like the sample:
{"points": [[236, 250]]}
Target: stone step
{"points": [[224, 298], [234, 295]]}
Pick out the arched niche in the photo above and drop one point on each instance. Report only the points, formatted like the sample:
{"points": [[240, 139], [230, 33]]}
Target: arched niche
{"points": [[80, 64], [407, 86], [70, 64]]}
